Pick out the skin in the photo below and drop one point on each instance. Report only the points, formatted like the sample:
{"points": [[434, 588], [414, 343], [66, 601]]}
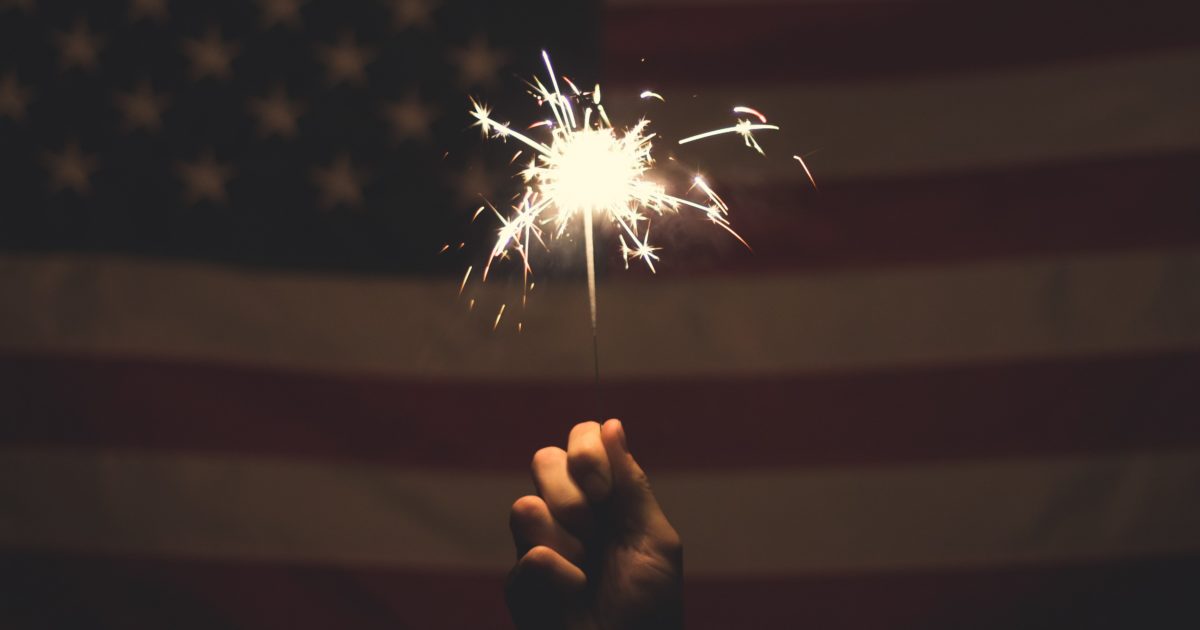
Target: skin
{"points": [[594, 549]]}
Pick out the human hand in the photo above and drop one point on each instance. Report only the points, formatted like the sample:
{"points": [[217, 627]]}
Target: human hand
{"points": [[594, 549]]}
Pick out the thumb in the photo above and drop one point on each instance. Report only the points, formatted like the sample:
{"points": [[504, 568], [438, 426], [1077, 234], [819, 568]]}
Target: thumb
{"points": [[634, 503]]}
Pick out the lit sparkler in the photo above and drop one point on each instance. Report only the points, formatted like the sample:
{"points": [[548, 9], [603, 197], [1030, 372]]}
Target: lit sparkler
{"points": [[589, 168]]}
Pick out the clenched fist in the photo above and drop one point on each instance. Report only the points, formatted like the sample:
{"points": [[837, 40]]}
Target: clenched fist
{"points": [[594, 549]]}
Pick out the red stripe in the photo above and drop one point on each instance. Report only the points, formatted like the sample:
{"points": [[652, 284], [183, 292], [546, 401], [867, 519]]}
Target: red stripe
{"points": [[1087, 207], [92, 592], [764, 43], [1151, 593], [887, 417]]}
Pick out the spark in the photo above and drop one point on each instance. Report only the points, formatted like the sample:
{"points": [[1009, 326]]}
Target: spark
{"points": [[573, 88], [500, 314], [753, 112], [743, 128], [585, 168], [806, 171], [643, 252], [463, 284], [703, 185], [444, 248]]}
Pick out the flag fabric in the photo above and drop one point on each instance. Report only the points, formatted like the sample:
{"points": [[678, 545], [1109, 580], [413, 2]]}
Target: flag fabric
{"points": [[957, 386]]}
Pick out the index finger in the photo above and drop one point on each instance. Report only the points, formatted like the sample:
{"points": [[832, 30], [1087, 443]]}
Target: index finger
{"points": [[587, 461]]}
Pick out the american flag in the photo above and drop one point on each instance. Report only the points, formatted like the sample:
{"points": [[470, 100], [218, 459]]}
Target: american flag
{"points": [[956, 387]]}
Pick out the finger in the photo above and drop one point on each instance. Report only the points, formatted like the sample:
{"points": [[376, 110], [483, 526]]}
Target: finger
{"points": [[587, 461], [533, 525], [634, 502], [541, 588], [566, 501]]}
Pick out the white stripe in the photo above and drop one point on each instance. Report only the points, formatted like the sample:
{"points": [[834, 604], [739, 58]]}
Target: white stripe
{"points": [[740, 325], [745, 523], [1134, 105]]}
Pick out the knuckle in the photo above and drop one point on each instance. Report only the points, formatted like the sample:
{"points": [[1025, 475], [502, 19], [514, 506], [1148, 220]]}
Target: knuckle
{"points": [[572, 511], [587, 425], [527, 509], [521, 583], [586, 459], [545, 457], [539, 559], [573, 508], [539, 555], [671, 544], [642, 482]]}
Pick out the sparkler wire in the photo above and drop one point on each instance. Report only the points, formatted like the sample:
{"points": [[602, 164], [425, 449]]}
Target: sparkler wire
{"points": [[590, 251]]}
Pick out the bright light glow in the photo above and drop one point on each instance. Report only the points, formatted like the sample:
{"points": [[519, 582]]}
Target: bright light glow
{"points": [[590, 169], [594, 168]]}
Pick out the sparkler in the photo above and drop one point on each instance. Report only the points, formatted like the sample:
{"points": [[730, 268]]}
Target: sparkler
{"points": [[588, 168]]}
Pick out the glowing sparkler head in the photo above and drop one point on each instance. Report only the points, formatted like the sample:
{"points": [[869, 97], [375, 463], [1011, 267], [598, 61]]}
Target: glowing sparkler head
{"points": [[593, 168], [586, 166]]}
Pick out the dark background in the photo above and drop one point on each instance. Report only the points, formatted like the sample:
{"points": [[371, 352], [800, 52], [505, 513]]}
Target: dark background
{"points": [[955, 387]]}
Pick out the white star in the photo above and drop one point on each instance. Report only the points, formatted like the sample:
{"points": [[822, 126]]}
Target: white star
{"points": [[78, 48], [476, 184], [153, 10], [25, 6], [409, 118], [413, 13], [70, 169], [276, 113], [13, 97], [204, 178], [280, 12], [339, 183], [142, 108], [346, 61], [210, 56], [478, 63]]}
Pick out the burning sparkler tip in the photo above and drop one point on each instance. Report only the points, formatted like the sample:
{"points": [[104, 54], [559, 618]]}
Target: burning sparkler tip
{"points": [[582, 166]]}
